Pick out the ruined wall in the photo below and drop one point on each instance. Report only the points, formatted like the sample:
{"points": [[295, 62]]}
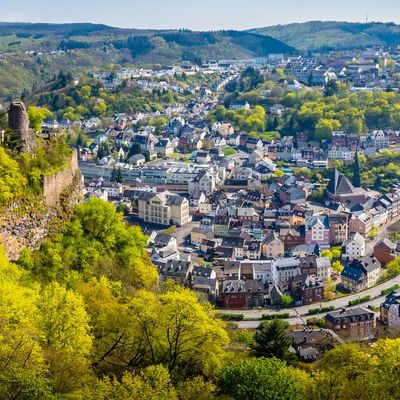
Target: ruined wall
{"points": [[30, 225], [55, 184]]}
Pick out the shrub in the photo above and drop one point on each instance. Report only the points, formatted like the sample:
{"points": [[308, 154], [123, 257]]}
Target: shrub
{"points": [[359, 301], [270, 317], [231, 317]]}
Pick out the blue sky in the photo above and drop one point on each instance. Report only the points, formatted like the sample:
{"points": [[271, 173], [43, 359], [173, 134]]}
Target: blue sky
{"points": [[198, 14]]}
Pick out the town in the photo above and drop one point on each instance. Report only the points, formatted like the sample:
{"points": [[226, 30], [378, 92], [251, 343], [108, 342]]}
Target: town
{"points": [[253, 221]]}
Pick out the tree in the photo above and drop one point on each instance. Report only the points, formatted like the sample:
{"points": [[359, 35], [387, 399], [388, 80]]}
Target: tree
{"points": [[12, 182], [116, 175], [267, 379], [271, 340], [37, 116], [64, 320], [172, 329], [286, 300]]}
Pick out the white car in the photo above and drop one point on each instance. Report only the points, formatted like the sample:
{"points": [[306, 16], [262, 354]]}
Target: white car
{"points": [[188, 250]]}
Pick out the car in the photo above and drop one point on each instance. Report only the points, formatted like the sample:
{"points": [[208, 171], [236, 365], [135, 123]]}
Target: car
{"points": [[188, 250]]}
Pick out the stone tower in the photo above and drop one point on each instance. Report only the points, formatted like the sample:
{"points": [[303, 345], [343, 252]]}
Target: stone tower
{"points": [[356, 172], [18, 121]]}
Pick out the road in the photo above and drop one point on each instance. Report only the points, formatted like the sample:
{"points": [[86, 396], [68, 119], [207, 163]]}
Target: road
{"points": [[297, 315]]}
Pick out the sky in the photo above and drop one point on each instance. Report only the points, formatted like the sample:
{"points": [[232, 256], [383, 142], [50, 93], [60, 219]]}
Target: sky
{"points": [[198, 14]]}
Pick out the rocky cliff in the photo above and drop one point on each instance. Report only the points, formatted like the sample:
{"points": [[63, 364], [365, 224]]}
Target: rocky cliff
{"points": [[29, 225]]}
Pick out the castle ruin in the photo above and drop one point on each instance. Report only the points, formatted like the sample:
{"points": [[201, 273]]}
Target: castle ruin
{"points": [[18, 121]]}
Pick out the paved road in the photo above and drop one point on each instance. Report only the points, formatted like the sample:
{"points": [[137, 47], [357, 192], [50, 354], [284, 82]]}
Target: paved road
{"points": [[297, 315]]}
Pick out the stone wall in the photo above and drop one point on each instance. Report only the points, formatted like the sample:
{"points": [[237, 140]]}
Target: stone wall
{"points": [[55, 184], [29, 225]]}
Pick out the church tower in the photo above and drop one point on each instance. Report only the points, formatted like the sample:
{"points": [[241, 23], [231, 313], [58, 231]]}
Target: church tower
{"points": [[356, 172]]}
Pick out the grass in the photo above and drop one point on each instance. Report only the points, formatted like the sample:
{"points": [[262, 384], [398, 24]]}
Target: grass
{"points": [[229, 151]]}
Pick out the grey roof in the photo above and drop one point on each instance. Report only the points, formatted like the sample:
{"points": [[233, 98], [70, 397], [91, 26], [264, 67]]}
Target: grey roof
{"points": [[339, 184]]}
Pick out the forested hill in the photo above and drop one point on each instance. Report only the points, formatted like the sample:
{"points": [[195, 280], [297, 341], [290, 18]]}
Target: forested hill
{"points": [[155, 46], [317, 35]]}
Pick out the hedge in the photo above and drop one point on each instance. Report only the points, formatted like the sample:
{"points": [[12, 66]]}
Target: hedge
{"points": [[313, 311], [390, 289], [231, 317], [359, 301], [269, 317]]}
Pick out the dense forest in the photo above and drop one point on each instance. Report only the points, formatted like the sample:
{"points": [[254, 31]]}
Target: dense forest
{"points": [[332, 35]]}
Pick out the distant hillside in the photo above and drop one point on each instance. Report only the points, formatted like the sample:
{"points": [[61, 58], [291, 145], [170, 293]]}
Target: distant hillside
{"points": [[142, 45], [317, 35], [94, 45]]}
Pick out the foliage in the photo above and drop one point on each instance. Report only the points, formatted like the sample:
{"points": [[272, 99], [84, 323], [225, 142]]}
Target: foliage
{"points": [[390, 289], [37, 116], [359, 300], [12, 182], [319, 310], [268, 379], [269, 317], [97, 242], [286, 300], [271, 340], [231, 317]]}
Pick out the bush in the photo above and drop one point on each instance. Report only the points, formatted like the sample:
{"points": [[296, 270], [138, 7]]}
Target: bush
{"points": [[319, 322], [390, 289], [231, 317], [269, 317], [313, 311], [359, 301]]}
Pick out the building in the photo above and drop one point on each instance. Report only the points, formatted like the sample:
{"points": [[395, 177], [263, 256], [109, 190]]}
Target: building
{"points": [[318, 231], [354, 247], [339, 227], [361, 223], [390, 310], [350, 318], [361, 274], [163, 208], [273, 247], [307, 289], [310, 345], [242, 294], [204, 182], [340, 189], [385, 251]]}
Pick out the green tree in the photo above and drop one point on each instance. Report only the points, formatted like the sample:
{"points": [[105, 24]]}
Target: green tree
{"points": [[267, 379], [271, 340]]}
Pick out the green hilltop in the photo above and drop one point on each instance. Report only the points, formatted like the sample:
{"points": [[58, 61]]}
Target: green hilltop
{"points": [[316, 35]]}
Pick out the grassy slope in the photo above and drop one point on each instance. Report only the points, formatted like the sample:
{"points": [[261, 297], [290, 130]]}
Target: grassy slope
{"points": [[336, 35]]}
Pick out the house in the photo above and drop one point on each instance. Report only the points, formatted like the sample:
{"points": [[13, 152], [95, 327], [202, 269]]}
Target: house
{"points": [[203, 157], [286, 269], [310, 345], [385, 251], [354, 247], [204, 182], [239, 104], [361, 274], [361, 223], [318, 231], [197, 235], [204, 280], [242, 294], [176, 270], [390, 310], [226, 129], [277, 109], [221, 225], [350, 318], [163, 208], [164, 148], [159, 239], [137, 160], [272, 247], [339, 227], [307, 289]]}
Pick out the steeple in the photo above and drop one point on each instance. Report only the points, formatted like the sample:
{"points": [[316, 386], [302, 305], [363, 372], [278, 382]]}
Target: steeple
{"points": [[356, 172]]}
